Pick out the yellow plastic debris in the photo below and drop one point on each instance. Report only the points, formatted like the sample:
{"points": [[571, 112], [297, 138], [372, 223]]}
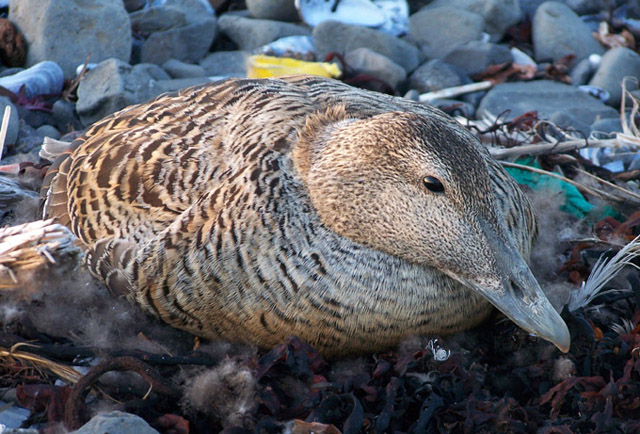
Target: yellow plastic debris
{"points": [[261, 66]]}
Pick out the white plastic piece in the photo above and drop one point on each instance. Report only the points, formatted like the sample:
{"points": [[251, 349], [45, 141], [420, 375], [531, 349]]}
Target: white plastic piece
{"points": [[439, 353], [594, 61], [390, 16], [4, 128], [41, 79], [521, 58], [90, 66], [292, 44]]}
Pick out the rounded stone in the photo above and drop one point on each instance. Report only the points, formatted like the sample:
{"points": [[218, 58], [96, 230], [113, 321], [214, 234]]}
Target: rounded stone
{"points": [[67, 31], [178, 69], [545, 97], [476, 56], [48, 131], [279, 10], [225, 64], [371, 63], [434, 75], [498, 15], [616, 64], [116, 422], [333, 36], [558, 31], [249, 34], [436, 39]]}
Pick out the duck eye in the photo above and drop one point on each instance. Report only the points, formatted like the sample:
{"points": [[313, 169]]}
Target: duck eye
{"points": [[433, 184]]}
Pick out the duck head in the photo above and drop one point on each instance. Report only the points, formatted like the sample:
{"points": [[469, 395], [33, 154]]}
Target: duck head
{"points": [[420, 188]]}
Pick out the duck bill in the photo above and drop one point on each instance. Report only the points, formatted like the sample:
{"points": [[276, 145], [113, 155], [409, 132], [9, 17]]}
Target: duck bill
{"points": [[518, 295]]}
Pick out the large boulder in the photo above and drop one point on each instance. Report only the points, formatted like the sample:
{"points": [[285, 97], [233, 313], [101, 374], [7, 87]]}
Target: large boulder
{"points": [[547, 98], [249, 34], [616, 64], [558, 31], [435, 37], [476, 56], [177, 29], [225, 64], [111, 86], [279, 10], [67, 31], [366, 61], [498, 15], [333, 36]]}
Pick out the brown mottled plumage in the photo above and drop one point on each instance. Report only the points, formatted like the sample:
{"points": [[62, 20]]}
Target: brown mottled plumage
{"points": [[253, 210]]}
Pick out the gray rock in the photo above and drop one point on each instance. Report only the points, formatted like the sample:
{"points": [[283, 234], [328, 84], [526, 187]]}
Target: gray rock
{"points": [[607, 125], [558, 31], [584, 7], [116, 422], [279, 10], [109, 87], [476, 56], [225, 64], [133, 5], [34, 118], [66, 31], [369, 62], [568, 122], [412, 94], [164, 86], [64, 116], [187, 43], [157, 19], [153, 70], [436, 38], [28, 140], [474, 98], [178, 69], [434, 75], [330, 36], [455, 107], [545, 97], [195, 10], [13, 127], [498, 15], [249, 34], [616, 64], [581, 72], [48, 131], [529, 7]]}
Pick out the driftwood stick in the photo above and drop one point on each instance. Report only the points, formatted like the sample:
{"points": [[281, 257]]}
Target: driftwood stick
{"points": [[550, 148], [610, 184], [4, 128], [455, 91]]}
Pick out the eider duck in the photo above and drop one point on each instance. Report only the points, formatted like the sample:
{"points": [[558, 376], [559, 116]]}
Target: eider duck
{"points": [[251, 210]]}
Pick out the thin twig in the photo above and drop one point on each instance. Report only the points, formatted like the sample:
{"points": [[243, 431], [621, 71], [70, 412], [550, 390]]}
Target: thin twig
{"points": [[550, 148], [610, 184], [64, 372]]}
